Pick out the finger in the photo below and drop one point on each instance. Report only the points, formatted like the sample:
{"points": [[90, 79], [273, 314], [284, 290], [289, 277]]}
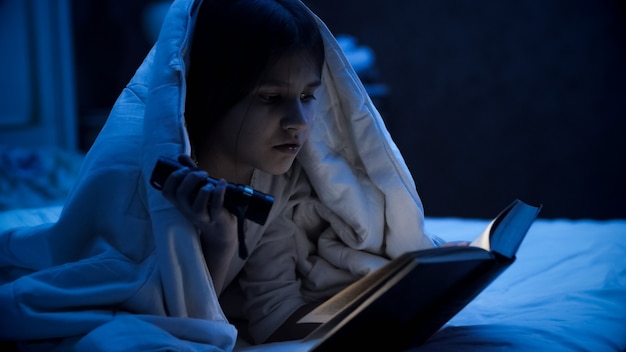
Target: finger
{"points": [[217, 199], [201, 203], [188, 189]]}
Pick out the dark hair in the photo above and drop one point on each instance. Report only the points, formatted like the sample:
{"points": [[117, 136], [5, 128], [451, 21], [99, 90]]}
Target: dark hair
{"points": [[234, 41]]}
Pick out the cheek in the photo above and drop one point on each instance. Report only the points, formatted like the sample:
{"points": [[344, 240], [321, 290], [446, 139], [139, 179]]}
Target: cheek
{"points": [[254, 132]]}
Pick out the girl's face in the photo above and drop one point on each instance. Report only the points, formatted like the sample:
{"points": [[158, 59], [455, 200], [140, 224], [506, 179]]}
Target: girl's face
{"points": [[267, 128]]}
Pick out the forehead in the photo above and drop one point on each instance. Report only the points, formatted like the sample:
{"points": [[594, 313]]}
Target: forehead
{"points": [[295, 68]]}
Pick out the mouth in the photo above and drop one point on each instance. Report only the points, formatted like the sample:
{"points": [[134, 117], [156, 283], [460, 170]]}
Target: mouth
{"points": [[288, 148]]}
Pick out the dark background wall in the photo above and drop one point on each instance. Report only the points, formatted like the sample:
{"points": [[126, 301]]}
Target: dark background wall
{"points": [[488, 100]]}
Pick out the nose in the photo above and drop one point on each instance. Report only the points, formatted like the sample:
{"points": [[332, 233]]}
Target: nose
{"points": [[295, 118]]}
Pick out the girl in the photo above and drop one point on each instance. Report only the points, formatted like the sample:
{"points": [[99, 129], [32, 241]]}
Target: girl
{"points": [[250, 107], [249, 111]]}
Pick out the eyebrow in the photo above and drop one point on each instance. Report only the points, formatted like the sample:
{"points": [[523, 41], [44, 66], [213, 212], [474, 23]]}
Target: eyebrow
{"points": [[278, 83]]}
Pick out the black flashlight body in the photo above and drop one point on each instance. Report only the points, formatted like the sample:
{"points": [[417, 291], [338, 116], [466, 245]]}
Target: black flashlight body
{"points": [[238, 199]]}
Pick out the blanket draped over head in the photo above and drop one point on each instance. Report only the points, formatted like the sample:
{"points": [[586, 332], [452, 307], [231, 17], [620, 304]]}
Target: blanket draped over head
{"points": [[122, 267]]}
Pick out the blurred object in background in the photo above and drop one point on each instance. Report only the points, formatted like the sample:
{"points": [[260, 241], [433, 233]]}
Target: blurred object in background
{"points": [[363, 60], [110, 46], [37, 93], [36, 177]]}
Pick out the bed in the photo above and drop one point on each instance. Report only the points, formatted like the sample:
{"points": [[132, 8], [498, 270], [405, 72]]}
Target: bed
{"points": [[565, 292]]}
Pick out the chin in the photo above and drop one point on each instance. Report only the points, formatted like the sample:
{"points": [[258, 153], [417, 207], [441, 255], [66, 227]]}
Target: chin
{"points": [[278, 169]]}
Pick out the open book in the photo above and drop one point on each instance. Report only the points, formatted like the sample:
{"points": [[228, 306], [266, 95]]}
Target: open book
{"points": [[406, 301]]}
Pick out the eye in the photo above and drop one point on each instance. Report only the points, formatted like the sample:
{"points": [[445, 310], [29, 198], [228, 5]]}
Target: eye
{"points": [[270, 98], [307, 97]]}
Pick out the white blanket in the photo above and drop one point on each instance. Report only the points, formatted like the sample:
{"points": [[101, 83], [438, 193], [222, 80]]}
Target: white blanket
{"points": [[122, 265]]}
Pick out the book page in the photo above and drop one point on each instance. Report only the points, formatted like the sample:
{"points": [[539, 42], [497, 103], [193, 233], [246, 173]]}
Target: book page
{"points": [[506, 232], [511, 227], [328, 309], [352, 293], [483, 241]]}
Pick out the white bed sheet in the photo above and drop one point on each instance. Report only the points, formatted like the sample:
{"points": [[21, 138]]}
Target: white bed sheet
{"points": [[565, 292]]}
